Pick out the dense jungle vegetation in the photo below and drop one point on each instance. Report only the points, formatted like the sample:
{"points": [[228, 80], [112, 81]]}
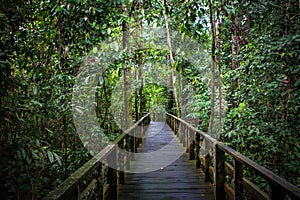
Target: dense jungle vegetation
{"points": [[254, 47]]}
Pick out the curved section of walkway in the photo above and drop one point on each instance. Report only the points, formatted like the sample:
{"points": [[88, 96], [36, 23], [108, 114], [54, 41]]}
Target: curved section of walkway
{"points": [[179, 180]]}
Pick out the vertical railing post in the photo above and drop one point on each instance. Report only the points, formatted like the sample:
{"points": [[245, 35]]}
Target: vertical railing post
{"points": [[141, 133], [100, 182], [174, 126], [167, 119], [207, 160], [187, 139], [135, 140], [142, 130], [219, 176], [179, 132], [183, 135], [206, 167], [192, 150], [138, 135], [238, 180], [112, 177], [128, 154], [121, 160], [197, 144], [132, 150]]}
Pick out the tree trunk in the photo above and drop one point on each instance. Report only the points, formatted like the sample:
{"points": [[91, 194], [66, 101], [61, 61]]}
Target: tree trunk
{"points": [[140, 78], [172, 61], [127, 76], [212, 69], [218, 59]]}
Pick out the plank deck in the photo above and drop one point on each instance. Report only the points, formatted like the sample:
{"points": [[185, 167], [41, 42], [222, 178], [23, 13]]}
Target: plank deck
{"points": [[178, 180]]}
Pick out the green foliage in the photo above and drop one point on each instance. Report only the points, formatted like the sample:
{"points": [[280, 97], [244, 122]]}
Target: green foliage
{"points": [[41, 48], [42, 44], [263, 117], [156, 98]]}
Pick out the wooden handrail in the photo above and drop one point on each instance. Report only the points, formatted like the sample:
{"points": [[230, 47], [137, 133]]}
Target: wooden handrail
{"points": [[191, 138], [66, 188], [203, 134], [279, 187], [69, 189]]}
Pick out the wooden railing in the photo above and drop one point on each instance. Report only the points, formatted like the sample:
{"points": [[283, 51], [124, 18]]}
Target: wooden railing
{"points": [[228, 180], [210, 155], [101, 175]]}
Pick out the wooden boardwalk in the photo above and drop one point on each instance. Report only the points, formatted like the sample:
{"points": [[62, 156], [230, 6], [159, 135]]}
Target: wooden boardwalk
{"points": [[179, 180]]}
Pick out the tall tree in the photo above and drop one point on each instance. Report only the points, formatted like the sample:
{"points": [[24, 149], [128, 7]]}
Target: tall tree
{"points": [[127, 72], [212, 70], [173, 67]]}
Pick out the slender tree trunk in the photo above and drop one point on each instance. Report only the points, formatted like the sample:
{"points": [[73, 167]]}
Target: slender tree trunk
{"points": [[136, 97], [170, 91], [213, 57], [218, 59], [172, 60], [127, 76], [140, 78], [139, 60]]}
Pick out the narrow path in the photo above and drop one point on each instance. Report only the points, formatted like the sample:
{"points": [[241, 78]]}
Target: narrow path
{"points": [[179, 180]]}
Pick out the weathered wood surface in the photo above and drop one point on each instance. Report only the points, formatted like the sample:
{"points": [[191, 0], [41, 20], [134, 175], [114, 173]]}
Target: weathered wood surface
{"points": [[179, 180], [229, 181]]}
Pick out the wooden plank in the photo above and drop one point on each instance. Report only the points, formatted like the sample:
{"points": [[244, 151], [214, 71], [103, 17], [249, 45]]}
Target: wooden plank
{"points": [[179, 180]]}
